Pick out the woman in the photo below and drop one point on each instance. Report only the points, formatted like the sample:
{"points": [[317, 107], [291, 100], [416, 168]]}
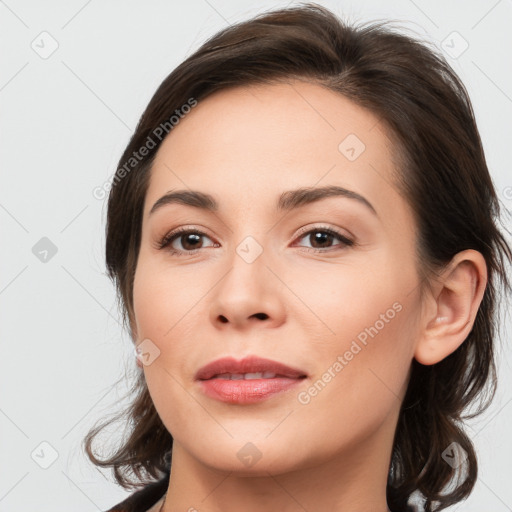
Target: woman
{"points": [[309, 267]]}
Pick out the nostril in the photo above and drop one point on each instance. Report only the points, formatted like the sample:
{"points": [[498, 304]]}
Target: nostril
{"points": [[261, 316]]}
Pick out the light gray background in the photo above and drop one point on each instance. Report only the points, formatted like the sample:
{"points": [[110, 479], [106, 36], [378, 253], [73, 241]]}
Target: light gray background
{"points": [[65, 120]]}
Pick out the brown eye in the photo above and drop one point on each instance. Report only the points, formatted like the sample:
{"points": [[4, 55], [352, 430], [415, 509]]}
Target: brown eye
{"points": [[190, 240], [322, 238]]}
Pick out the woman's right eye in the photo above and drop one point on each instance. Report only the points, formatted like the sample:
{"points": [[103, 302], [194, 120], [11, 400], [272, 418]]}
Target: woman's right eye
{"points": [[189, 239]]}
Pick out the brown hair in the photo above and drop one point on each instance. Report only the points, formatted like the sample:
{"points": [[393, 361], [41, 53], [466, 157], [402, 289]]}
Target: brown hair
{"points": [[441, 171]]}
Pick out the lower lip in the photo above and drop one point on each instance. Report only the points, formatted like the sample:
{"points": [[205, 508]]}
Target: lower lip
{"points": [[246, 391]]}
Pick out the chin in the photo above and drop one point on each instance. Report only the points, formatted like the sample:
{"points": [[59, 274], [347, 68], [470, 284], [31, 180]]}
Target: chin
{"points": [[247, 458]]}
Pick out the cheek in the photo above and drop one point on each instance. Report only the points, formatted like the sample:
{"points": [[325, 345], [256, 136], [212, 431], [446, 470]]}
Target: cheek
{"points": [[164, 313], [337, 303], [361, 326], [358, 385], [167, 311], [162, 297]]}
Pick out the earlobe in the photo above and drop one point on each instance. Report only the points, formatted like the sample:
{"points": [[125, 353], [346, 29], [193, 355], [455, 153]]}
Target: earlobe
{"points": [[454, 306]]}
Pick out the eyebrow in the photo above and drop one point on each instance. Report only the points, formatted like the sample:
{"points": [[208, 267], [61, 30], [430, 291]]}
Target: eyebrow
{"points": [[288, 200]]}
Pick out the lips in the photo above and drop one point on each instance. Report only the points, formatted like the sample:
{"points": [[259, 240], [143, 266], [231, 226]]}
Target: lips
{"points": [[248, 381], [229, 367]]}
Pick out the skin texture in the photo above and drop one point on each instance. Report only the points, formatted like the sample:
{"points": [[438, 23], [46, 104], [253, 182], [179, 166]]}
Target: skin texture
{"points": [[245, 146]]}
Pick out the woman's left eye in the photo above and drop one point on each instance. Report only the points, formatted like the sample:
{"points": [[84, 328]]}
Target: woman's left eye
{"points": [[190, 240], [322, 236]]}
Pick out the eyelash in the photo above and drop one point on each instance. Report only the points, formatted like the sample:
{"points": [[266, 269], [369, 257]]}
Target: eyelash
{"points": [[170, 237]]}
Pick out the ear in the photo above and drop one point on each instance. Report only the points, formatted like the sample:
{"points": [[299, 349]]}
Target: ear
{"points": [[450, 310]]}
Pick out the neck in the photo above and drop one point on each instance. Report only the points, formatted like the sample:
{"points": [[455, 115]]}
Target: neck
{"points": [[354, 480]]}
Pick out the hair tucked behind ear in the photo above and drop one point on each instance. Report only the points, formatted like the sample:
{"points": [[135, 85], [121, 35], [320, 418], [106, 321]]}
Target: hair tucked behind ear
{"points": [[440, 170]]}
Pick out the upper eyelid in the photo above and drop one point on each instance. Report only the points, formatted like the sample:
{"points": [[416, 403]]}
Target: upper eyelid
{"points": [[173, 235], [202, 231]]}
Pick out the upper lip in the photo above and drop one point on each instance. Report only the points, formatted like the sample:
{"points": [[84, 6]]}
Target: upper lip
{"points": [[251, 364]]}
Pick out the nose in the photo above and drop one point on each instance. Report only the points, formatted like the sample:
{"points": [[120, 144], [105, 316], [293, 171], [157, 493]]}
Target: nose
{"points": [[248, 295]]}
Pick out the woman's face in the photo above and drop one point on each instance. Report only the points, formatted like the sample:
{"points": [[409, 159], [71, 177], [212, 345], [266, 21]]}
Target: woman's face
{"points": [[269, 281]]}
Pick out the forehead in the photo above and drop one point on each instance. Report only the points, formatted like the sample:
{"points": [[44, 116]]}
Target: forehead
{"points": [[250, 143]]}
